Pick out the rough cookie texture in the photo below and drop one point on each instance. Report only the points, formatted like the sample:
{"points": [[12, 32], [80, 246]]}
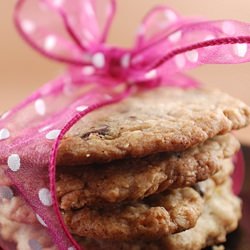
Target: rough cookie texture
{"points": [[19, 226], [222, 175], [17, 210], [165, 213], [133, 179], [160, 120], [206, 188], [220, 216]]}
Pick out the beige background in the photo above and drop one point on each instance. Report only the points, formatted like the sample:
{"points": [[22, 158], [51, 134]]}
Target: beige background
{"points": [[23, 70]]}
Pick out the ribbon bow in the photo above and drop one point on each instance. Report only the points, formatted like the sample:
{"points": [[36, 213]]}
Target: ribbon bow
{"points": [[166, 43], [74, 32]]}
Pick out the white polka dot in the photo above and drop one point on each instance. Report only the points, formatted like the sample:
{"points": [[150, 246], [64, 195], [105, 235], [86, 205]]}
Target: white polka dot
{"points": [[42, 129], [71, 248], [89, 9], [228, 28], [180, 61], [45, 197], [53, 134], [34, 245], [58, 3], [6, 193], [41, 221], [125, 60], [98, 60], [192, 56], [175, 37], [28, 26], [14, 162], [151, 74], [50, 42], [170, 15], [88, 70], [240, 49], [5, 115], [4, 134], [81, 108], [209, 37], [40, 107]]}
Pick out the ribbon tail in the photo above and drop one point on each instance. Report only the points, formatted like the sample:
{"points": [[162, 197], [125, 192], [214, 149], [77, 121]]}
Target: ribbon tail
{"points": [[199, 43]]}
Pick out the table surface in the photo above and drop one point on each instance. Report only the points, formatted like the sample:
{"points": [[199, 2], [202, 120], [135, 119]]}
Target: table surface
{"points": [[240, 239]]}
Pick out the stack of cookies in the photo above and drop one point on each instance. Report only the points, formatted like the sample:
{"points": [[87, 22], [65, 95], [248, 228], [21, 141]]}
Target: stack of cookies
{"points": [[153, 171]]}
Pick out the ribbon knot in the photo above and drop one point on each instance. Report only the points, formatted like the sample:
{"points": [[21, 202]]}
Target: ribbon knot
{"points": [[112, 63], [165, 46]]}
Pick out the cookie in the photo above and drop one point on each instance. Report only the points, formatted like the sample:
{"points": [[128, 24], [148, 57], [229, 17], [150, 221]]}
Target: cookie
{"points": [[165, 213], [220, 216], [206, 188], [133, 179], [25, 236], [4, 180], [13, 207], [18, 223], [160, 120], [17, 210], [222, 175]]}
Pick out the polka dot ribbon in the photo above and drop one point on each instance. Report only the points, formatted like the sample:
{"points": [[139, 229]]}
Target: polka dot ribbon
{"points": [[74, 33]]}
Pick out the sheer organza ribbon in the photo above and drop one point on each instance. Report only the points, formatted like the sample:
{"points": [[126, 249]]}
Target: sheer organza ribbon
{"points": [[74, 33]]}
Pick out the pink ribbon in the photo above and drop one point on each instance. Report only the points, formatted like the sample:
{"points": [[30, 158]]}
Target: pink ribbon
{"points": [[74, 33]]}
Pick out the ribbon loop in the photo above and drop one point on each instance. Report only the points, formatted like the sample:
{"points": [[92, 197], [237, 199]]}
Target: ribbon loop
{"points": [[159, 20], [166, 43], [70, 32]]}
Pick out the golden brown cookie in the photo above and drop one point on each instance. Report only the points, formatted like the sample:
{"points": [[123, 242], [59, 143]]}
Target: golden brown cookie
{"points": [[206, 188], [160, 120], [220, 216], [222, 175], [165, 213], [133, 179]]}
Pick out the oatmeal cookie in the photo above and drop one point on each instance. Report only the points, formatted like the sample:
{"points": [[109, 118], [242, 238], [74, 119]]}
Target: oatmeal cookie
{"points": [[165, 213], [133, 179], [220, 217], [160, 120]]}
